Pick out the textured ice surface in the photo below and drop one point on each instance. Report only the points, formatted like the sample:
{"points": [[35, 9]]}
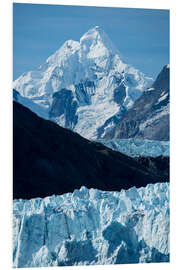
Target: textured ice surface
{"points": [[76, 66], [135, 147], [90, 226], [34, 107]]}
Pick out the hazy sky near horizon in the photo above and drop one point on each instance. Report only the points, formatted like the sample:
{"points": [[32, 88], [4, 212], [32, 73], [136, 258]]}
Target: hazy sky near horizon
{"points": [[141, 35]]}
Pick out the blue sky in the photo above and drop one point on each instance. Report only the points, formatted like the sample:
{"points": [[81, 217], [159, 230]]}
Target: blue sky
{"points": [[141, 35]]}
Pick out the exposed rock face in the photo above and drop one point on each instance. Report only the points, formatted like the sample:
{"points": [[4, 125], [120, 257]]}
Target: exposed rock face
{"points": [[84, 92], [120, 93], [90, 227], [15, 95], [49, 159], [64, 105], [149, 116]]}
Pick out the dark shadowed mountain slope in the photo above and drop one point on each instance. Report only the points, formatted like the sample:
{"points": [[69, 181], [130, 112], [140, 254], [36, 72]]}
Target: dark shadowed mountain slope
{"points": [[49, 159], [149, 116], [157, 165]]}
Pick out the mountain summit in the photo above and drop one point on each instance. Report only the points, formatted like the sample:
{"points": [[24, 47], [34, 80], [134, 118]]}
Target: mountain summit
{"points": [[95, 40], [84, 86]]}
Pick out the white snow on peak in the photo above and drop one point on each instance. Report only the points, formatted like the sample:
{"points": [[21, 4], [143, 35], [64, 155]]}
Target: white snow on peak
{"points": [[94, 59], [34, 107], [98, 43], [66, 50], [90, 227]]}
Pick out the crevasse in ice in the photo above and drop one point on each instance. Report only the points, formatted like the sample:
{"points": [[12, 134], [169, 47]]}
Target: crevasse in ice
{"points": [[90, 227]]}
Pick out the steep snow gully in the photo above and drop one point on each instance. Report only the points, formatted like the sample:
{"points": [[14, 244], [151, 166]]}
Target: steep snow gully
{"points": [[90, 227]]}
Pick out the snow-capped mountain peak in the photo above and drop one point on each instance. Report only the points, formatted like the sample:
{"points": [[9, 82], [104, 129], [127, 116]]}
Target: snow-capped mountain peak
{"points": [[93, 44], [65, 51], [96, 40], [84, 85]]}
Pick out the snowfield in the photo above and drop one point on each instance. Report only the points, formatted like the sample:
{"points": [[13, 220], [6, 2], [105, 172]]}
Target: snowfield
{"points": [[90, 227]]}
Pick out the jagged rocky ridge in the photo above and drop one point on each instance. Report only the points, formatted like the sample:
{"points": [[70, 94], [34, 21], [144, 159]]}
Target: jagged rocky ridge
{"points": [[84, 86], [48, 159], [149, 116], [90, 227]]}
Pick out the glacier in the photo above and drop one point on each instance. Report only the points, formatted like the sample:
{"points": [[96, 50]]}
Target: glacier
{"points": [[39, 110], [85, 86], [137, 147], [90, 226]]}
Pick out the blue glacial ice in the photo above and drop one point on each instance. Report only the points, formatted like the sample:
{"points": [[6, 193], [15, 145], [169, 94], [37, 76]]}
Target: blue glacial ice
{"points": [[135, 147], [90, 227]]}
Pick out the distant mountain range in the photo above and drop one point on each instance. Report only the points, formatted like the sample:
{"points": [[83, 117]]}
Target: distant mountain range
{"points": [[84, 86]]}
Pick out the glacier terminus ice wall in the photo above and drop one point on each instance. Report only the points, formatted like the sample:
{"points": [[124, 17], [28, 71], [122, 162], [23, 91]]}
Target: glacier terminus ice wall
{"points": [[136, 147], [90, 227]]}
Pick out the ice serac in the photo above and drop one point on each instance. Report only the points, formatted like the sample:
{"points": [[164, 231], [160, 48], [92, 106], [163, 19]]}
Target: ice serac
{"points": [[137, 147], [100, 86], [90, 227], [149, 116]]}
